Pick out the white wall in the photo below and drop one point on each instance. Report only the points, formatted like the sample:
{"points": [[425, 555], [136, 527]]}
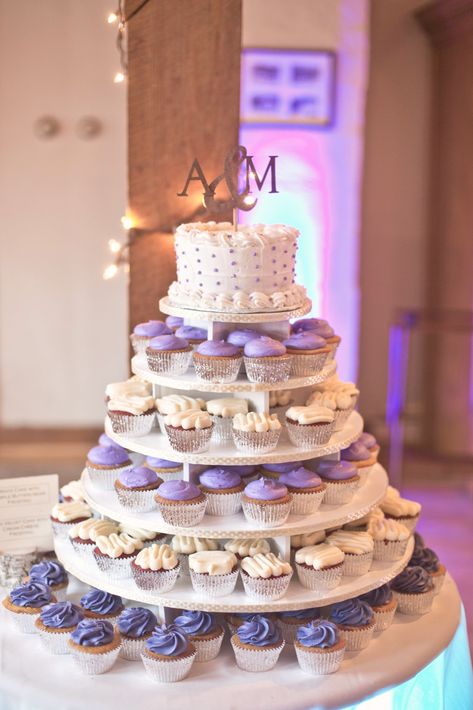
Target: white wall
{"points": [[62, 328]]}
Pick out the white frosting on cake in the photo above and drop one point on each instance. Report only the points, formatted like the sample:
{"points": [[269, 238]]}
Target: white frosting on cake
{"points": [[251, 269]]}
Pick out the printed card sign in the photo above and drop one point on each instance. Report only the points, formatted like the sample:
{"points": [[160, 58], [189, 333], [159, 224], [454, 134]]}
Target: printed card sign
{"points": [[25, 507]]}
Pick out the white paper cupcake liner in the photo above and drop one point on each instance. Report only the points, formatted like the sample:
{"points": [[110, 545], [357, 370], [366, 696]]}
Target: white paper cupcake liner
{"points": [[184, 514], [266, 516], [189, 440], [268, 370], [136, 501], [256, 661], [304, 365], [213, 585], [217, 369], [207, 649], [55, 643], [357, 638], [131, 425], [307, 436], [322, 663], [339, 493], [115, 567], [169, 362], [357, 565], [438, 580], [162, 581], [223, 504], [413, 604], [168, 671], [319, 580], [265, 589], [25, 622], [131, 649], [139, 343], [84, 550], [383, 619], [94, 663], [61, 530], [409, 522], [389, 550], [104, 478], [222, 428], [256, 442], [306, 503]]}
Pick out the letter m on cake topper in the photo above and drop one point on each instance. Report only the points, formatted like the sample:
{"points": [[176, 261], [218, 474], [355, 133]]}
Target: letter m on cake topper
{"points": [[239, 169]]}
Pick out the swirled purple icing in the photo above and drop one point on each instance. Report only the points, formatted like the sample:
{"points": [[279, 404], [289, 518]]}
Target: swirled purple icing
{"points": [[174, 321], [351, 612], [168, 342], [304, 340], [105, 440], [265, 489], [264, 347], [136, 622], [33, 594], [336, 470], [168, 640], [50, 573], [367, 440], [101, 602], [93, 632], [189, 332], [162, 463], [138, 477], [319, 633], [152, 328], [378, 597], [178, 490], [243, 471], [195, 623], [61, 615], [219, 478], [300, 614], [217, 348], [355, 452], [300, 478], [426, 558], [317, 325], [412, 580], [259, 631], [107, 455], [279, 467], [241, 337]]}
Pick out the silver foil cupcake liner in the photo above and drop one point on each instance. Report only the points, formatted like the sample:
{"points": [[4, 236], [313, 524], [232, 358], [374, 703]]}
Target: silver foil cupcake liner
{"points": [[84, 550], [25, 622], [389, 550], [357, 638], [217, 369], [357, 565], [61, 530], [307, 436], [339, 493], [304, 365], [168, 671], [183, 514], [184, 570], [136, 501], [207, 649], [256, 442], [413, 604], [139, 343], [162, 426], [319, 663], [258, 660], [319, 580], [151, 581], [213, 585], [266, 516], [55, 643], [94, 663], [410, 522], [104, 478], [169, 362], [188, 441], [265, 589], [383, 619], [341, 415], [115, 567], [222, 504], [132, 425], [306, 503], [269, 370], [222, 428], [131, 649]]}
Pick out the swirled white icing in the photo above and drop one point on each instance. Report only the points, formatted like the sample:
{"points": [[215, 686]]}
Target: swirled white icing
{"points": [[335, 384], [186, 545], [332, 399], [248, 547], [131, 403], [320, 556], [137, 533], [388, 529], [73, 490], [307, 539], [189, 419], [256, 422], [351, 542], [227, 406], [156, 557], [213, 562], [134, 386], [115, 545], [393, 504], [312, 414], [172, 403], [265, 565], [90, 529], [279, 398], [67, 512]]}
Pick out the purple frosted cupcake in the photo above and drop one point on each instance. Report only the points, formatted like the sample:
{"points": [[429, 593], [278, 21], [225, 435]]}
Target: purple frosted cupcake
{"points": [[97, 604], [143, 332], [217, 361], [355, 621], [53, 575], [309, 353], [168, 655], [306, 488], [369, 441], [94, 646], [223, 489], [104, 463], [25, 602], [266, 360], [341, 478], [414, 591], [181, 503], [241, 337], [136, 487], [360, 456], [55, 623], [246, 473], [168, 355], [193, 335], [174, 322], [274, 470], [320, 327], [266, 503], [384, 605], [105, 440], [257, 644], [319, 647], [135, 625], [290, 621], [204, 633], [165, 469], [427, 559]]}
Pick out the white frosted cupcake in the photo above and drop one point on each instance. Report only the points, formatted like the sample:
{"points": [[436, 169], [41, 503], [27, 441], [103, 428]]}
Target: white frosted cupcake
{"points": [[184, 546], [204, 633], [265, 576], [147, 537], [168, 654], [155, 568], [181, 503], [222, 411], [257, 644], [319, 567], [266, 503], [279, 402], [339, 396], [306, 488], [256, 433], [174, 403], [189, 431], [74, 490], [309, 427], [113, 554], [319, 647], [213, 573], [355, 622], [390, 539], [94, 645], [414, 591], [247, 547], [223, 489], [400, 509], [65, 515], [358, 548], [306, 540], [135, 625], [132, 414], [341, 479]]}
